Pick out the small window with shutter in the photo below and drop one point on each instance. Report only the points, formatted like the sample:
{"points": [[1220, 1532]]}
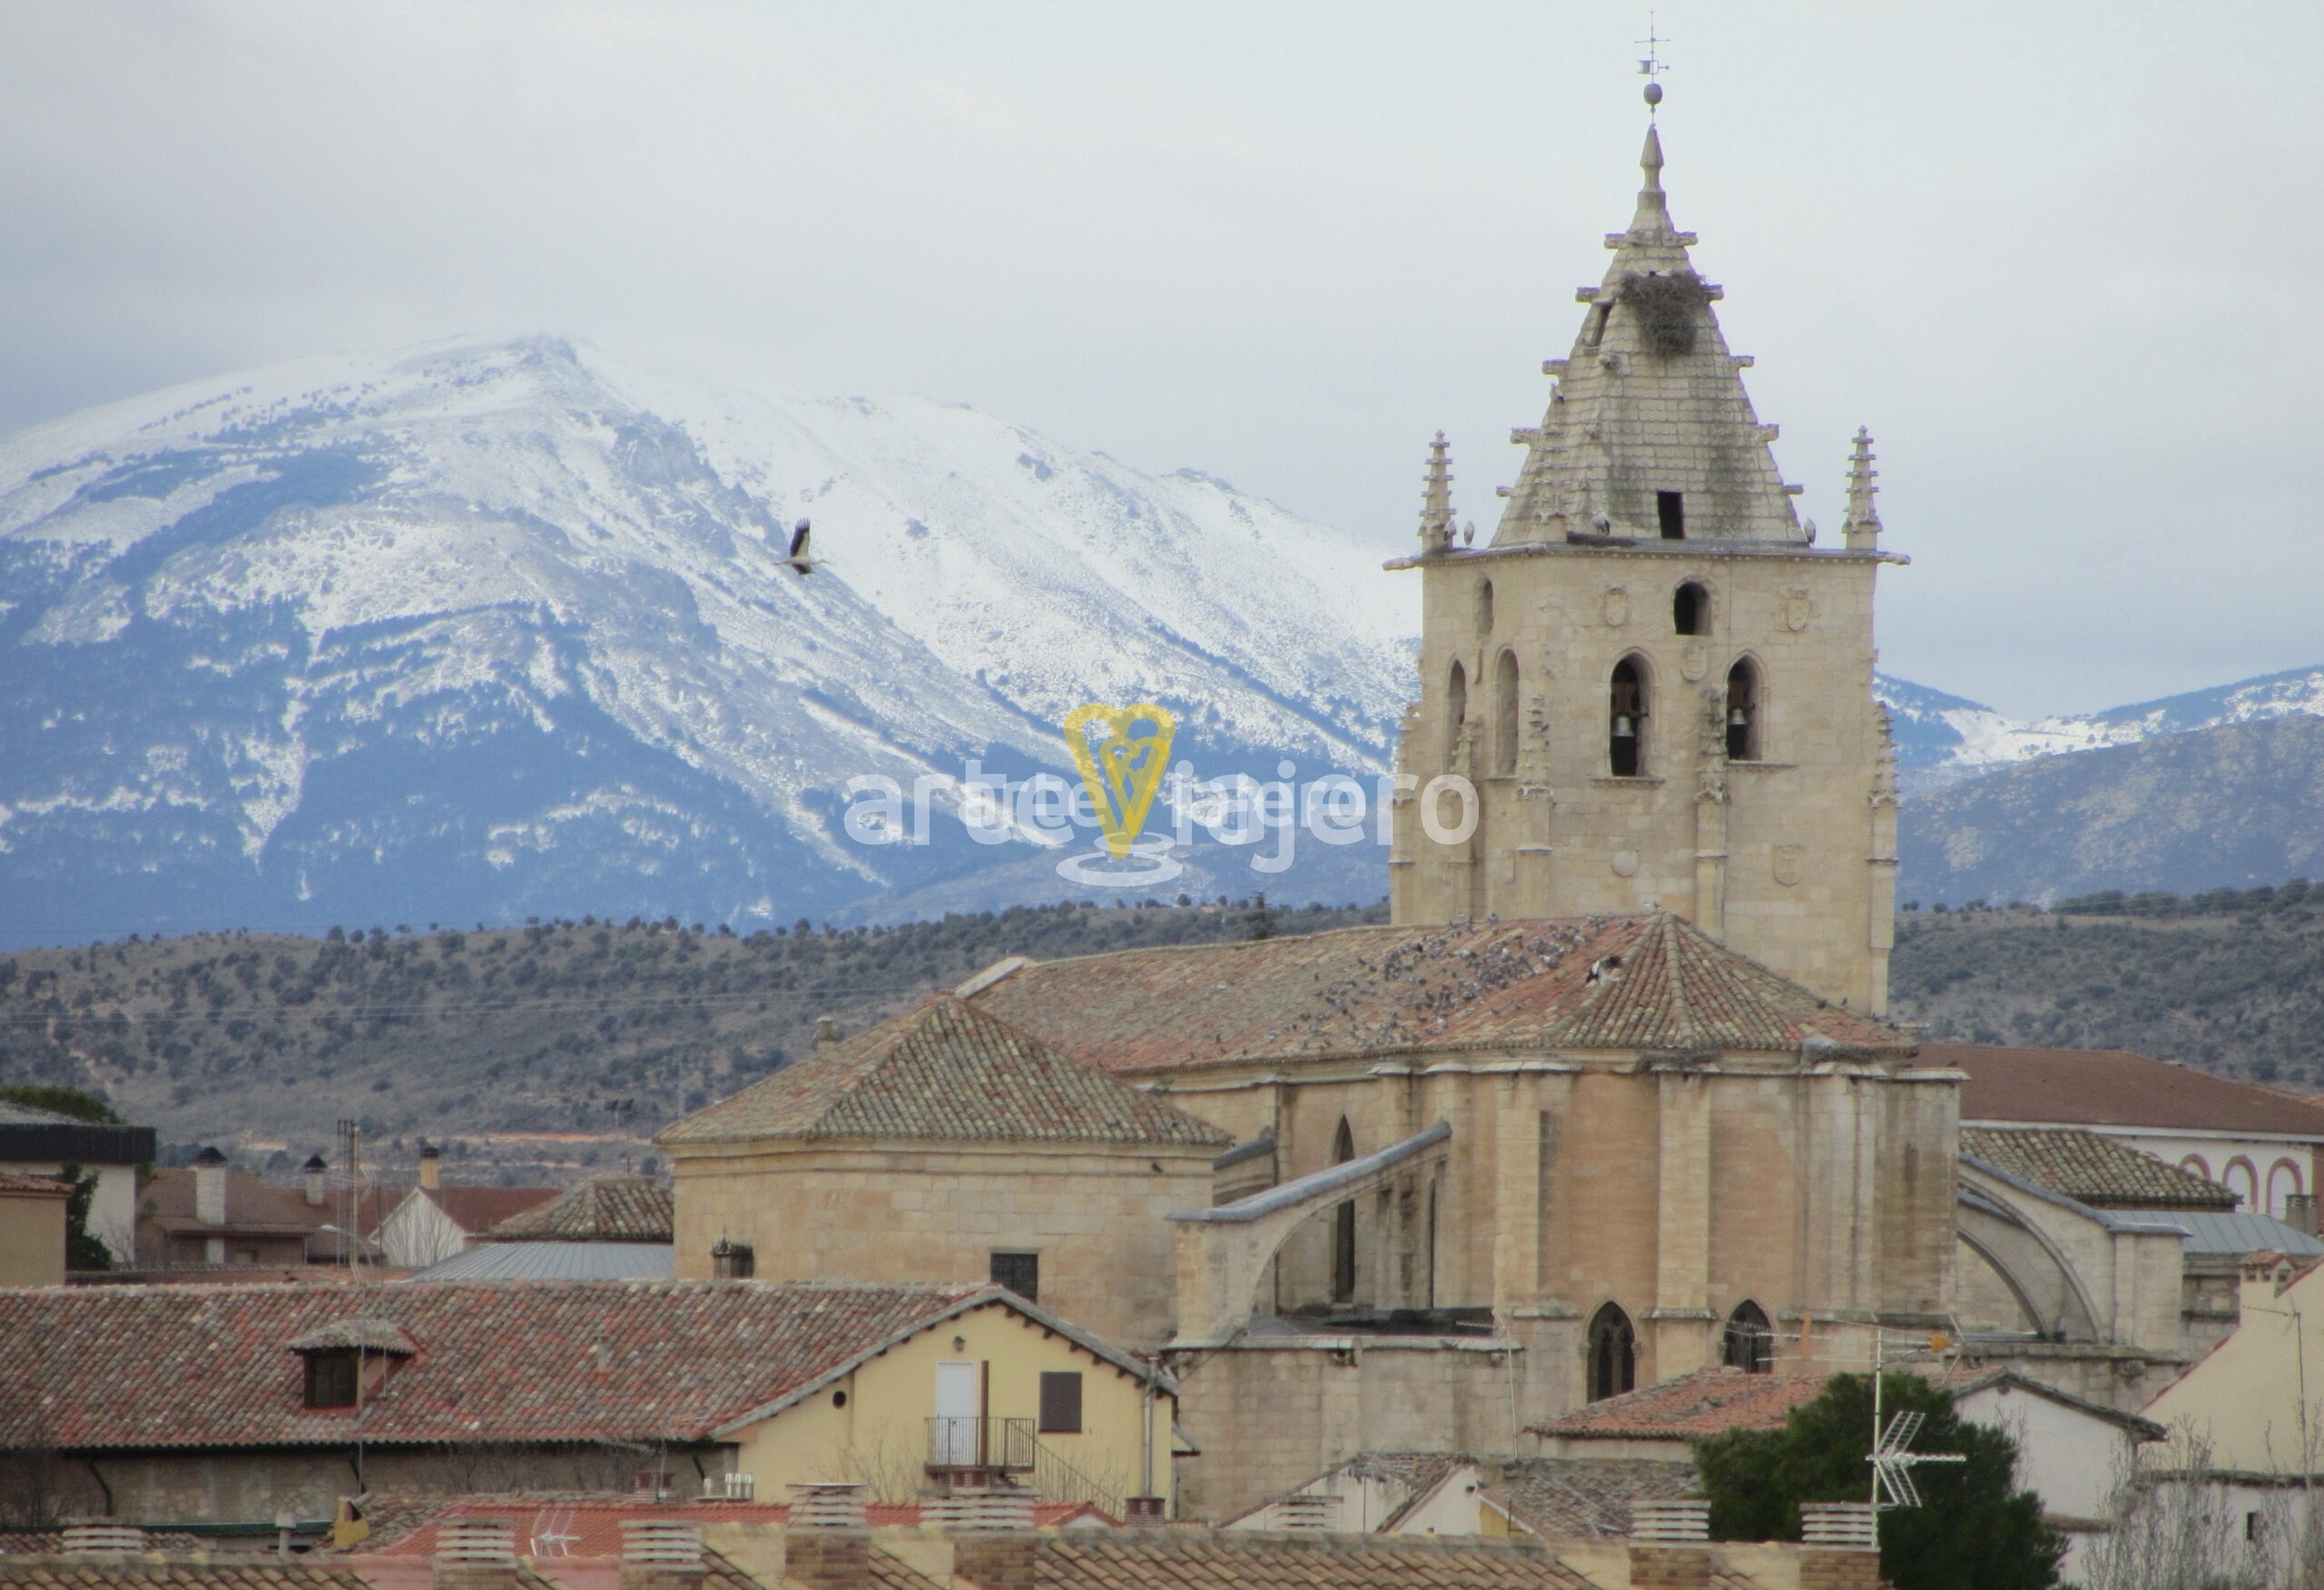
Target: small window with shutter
{"points": [[1060, 1402]]}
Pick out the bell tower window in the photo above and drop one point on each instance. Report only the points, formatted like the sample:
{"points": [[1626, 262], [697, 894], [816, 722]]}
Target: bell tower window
{"points": [[1670, 510], [1743, 712], [1484, 608], [1749, 1341], [1626, 729], [1691, 610], [1504, 714]]}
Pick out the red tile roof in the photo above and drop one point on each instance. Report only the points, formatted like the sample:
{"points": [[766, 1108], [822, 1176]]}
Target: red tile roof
{"points": [[2110, 1087], [252, 1206], [130, 1367], [2101, 1172], [1704, 1403], [1625, 983], [603, 1208], [141, 1572], [42, 1186], [475, 1210], [947, 1069], [1170, 1559]]}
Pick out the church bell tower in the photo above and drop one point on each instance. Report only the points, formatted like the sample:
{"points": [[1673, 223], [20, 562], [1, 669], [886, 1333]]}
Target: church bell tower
{"points": [[1657, 687]]}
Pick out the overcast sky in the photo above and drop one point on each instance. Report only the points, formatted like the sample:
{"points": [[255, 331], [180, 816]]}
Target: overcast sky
{"points": [[2063, 259]]}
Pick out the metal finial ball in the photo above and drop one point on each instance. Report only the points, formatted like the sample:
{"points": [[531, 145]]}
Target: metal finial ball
{"points": [[1653, 93]]}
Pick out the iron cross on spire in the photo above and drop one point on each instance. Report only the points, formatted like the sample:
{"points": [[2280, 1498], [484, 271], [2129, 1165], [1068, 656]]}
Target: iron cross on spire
{"points": [[1653, 66]]}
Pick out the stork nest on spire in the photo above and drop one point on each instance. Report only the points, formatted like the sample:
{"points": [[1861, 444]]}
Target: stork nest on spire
{"points": [[1666, 308]]}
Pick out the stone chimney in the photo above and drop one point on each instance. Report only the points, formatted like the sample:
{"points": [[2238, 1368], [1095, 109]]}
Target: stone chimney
{"points": [[660, 1554], [826, 1545], [993, 1544], [826, 1031], [475, 1554], [210, 1187], [431, 1167], [2299, 1213], [1840, 1547], [318, 1175], [1671, 1546], [104, 1542]]}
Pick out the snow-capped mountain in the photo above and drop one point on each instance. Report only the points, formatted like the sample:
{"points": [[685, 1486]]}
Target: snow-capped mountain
{"points": [[486, 629], [1942, 739]]}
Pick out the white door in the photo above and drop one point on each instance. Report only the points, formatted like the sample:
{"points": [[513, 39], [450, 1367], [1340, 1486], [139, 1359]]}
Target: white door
{"points": [[954, 1438]]}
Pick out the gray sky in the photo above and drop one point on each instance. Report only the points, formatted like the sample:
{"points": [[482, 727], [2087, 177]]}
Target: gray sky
{"points": [[2063, 259]]}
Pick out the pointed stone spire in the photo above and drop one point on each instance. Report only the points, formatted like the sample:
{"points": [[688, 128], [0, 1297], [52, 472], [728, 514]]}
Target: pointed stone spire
{"points": [[1649, 433], [1861, 533], [1436, 499]]}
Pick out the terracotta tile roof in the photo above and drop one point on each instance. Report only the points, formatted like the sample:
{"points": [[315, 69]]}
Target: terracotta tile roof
{"points": [[16, 1182], [2110, 1087], [252, 1206], [254, 1572], [1578, 1499], [138, 1366], [1164, 1559], [1628, 982], [1705, 1403], [2101, 1171], [946, 1071], [603, 1208], [358, 1331], [588, 1525], [477, 1210]]}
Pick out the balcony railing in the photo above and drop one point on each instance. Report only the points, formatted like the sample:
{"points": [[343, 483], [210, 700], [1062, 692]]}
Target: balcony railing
{"points": [[975, 1449]]}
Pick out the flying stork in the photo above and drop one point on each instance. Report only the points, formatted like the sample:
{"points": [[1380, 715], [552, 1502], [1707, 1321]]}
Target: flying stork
{"points": [[798, 562]]}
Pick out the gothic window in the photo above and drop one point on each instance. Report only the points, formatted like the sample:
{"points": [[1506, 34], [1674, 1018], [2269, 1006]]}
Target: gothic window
{"points": [[1613, 1354], [1743, 712], [1626, 727], [1456, 712], [1670, 512], [1691, 610], [1750, 1341], [1343, 1225], [1484, 608], [1504, 714]]}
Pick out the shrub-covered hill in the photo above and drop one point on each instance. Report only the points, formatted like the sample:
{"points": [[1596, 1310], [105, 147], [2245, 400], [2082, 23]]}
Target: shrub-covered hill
{"points": [[510, 1045], [2231, 982]]}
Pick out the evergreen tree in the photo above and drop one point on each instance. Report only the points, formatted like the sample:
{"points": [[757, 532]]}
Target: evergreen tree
{"points": [[1976, 1530]]}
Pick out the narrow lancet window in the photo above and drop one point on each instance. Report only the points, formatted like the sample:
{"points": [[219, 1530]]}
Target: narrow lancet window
{"points": [[1743, 713], [1456, 712], [1670, 509], [1751, 1340], [1626, 731], [1504, 714], [1343, 1225], [1613, 1354], [1691, 610], [1484, 608]]}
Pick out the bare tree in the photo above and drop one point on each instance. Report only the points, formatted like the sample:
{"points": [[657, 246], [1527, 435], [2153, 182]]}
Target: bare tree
{"points": [[2182, 1523]]}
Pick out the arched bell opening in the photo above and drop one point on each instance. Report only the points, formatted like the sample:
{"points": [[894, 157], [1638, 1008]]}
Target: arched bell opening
{"points": [[1743, 712], [1626, 707]]}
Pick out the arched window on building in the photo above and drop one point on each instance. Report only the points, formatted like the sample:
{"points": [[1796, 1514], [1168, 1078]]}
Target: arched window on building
{"points": [[1456, 711], [1613, 1353], [1343, 1225], [2241, 1177], [2193, 1164], [1749, 1344], [1743, 712], [1504, 714], [1627, 706], [2283, 1182], [1690, 610], [1484, 608]]}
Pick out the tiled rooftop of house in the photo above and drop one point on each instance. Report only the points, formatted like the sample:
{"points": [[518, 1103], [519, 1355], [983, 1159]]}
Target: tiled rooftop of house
{"points": [[1580, 1498], [1705, 1403], [1162, 1559], [2101, 1171], [1630, 983], [253, 1572], [2111, 1087], [603, 1208], [48, 1185], [947, 1069], [136, 1366]]}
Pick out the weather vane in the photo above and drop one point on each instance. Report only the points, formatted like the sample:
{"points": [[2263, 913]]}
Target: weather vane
{"points": [[1654, 65]]}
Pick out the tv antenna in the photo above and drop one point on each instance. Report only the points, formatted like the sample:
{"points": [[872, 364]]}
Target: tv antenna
{"points": [[1892, 1458], [1653, 66]]}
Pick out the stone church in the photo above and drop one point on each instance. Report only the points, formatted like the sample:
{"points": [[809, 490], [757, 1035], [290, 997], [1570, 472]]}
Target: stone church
{"points": [[1611, 1100]]}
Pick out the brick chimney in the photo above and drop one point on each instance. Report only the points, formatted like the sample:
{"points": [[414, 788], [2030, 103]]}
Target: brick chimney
{"points": [[826, 1545], [210, 1187], [431, 1167], [993, 1544], [1671, 1546], [318, 1175], [660, 1554], [1840, 1547], [475, 1554]]}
